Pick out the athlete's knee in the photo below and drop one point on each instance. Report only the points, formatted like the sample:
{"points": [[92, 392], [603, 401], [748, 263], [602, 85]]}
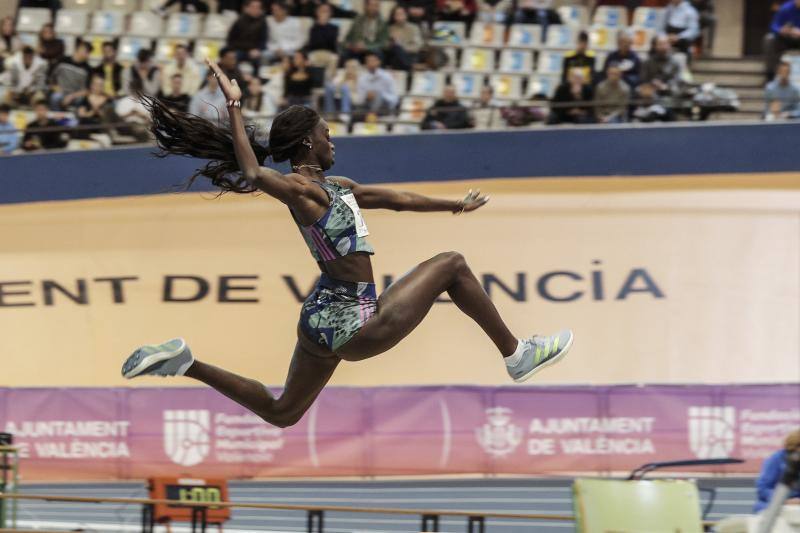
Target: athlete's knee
{"points": [[279, 415], [456, 262]]}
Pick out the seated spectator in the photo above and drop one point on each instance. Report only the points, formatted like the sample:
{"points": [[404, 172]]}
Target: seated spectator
{"points": [[186, 6], [573, 91], [376, 89], [323, 42], [27, 77], [185, 66], [285, 33], [708, 22], [485, 110], [343, 87], [297, 81], [784, 34], [420, 12], [50, 47], [9, 136], [259, 102], [176, 97], [110, 70], [534, 12], [9, 41], [661, 69], [771, 472], [625, 58], [95, 109], [69, 79], [247, 36], [457, 10], [227, 62], [209, 102], [405, 41], [613, 96], [782, 96], [53, 137], [369, 33], [447, 113], [682, 25], [650, 107], [143, 76], [581, 59]]}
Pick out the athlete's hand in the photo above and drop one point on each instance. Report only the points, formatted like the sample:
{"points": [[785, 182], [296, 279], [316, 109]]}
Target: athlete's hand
{"points": [[472, 201], [230, 88]]}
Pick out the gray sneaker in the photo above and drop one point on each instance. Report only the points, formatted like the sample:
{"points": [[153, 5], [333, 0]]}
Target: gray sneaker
{"points": [[172, 358], [539, 353]]}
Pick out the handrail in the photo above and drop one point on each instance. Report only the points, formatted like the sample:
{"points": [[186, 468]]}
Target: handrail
{"points": [[286, 507]]}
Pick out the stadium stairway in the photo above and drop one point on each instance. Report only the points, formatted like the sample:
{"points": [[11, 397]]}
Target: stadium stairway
{"points": [[744, 75]]}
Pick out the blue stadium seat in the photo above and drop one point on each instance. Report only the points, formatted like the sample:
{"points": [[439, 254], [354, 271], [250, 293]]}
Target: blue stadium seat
{"points": [[427, 83], [611, 16], [72, 21], [477, 60], [516, 61], [525, 36], [146, 24], [111, 23], [467, 84], [31, 19], [561, 37], [651, 18]]}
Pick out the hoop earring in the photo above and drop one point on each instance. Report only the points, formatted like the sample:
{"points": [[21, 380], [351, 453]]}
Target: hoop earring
{"points": [[307, 144]]}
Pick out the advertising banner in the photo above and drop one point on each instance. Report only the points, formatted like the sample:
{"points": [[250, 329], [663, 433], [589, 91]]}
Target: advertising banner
{"points": [[71, 434]]}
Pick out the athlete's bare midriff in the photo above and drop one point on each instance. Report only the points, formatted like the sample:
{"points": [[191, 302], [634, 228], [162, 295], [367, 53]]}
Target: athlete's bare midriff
{"points": [[356, 267]]}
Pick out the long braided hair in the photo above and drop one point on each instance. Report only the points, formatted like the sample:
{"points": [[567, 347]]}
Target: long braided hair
{"points": [[180, 133]]}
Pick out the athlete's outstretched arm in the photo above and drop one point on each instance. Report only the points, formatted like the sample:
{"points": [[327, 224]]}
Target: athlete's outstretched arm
{"points": [[272, 182], [376, 197]]}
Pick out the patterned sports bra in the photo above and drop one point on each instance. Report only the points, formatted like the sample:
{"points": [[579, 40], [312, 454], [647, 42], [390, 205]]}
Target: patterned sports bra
{"points": [[341, 230]]}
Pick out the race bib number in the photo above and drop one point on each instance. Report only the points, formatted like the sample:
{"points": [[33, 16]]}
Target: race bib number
{"points": [[361, 225]]}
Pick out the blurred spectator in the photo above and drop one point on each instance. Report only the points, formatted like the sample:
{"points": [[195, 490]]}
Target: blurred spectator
{"points": [[343, 87], [784, 34], [782, 96], [70, 78], [53, 137], [185, 66], [187, 6], [376, 90], [143, 76], [613, 97], [447, 113], [771, 472], [662, 69], [682, 25], [9, 41], [27, 75], [573, 91], [581, 59], [420, 11], [368, 34], [51, 48], [457, 10], [303, 8], [484, 109], [95, 109], [625, 58], [52, 5], [259, 101], [9, 136], [323, 39], [406, 41], [228, 64], [285, 33], [229, 5], [297, 81], [209, 102], [650, 107], [534, 12], [110, 70], [175, 97], [708, 22], [248, 35]]}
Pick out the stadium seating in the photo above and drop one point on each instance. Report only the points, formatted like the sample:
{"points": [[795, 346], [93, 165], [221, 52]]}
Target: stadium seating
{"points": [[72, 22], [111, 23], [183, 26], [561, 37], [413, 108], [610, 16], [541, 84], [370, 128], [207, 48], [642, 38], [602, 38], [477, 60], [89, 5], [550, 62], [506, 86], [130, 46], [31, 19], [165, 48], [448, 33], [127, 6], [648, 17], [401, 78], [468, 85], [487, 34], [405, 128], [576, 16], [216, 26], [344, 27], [525, 36], [516, 62], [146, 24], [427, 83]]}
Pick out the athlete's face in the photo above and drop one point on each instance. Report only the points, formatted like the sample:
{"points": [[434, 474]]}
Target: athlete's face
{"points": [[322, 145]]}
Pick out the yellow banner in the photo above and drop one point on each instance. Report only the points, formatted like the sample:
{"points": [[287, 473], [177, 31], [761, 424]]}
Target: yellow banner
{"points": [[662, 279]]}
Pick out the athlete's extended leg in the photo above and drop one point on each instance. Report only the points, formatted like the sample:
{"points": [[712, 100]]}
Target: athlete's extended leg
{"points": [[308, 374], [406, 302]]}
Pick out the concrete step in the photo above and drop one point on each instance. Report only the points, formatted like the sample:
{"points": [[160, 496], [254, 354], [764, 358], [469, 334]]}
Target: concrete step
{"points": [[741, 115], [751, 106], [729, 65], [729, 80]]}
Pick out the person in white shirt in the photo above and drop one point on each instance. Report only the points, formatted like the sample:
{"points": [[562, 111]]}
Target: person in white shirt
{"points": [[286, 35], [209, 102], [682, 25], [376, 88], [188, 70]]}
